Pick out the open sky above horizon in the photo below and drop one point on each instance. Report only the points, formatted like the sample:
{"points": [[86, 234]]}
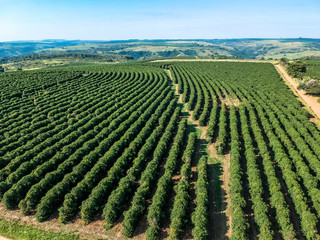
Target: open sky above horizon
{"points": [[175, 19]]}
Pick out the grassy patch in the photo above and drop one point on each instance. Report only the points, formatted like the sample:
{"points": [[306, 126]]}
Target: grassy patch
{"points": [[296, 55], [15, 231]]}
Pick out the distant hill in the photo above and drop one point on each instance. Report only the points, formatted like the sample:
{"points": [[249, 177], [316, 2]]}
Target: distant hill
{"points": [[146, 49], [36, 61], [21, 48]]}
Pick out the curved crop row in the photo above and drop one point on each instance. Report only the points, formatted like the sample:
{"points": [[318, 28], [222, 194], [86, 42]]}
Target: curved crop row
{"points": [[181, 201], [164, 186], [114, 206]]}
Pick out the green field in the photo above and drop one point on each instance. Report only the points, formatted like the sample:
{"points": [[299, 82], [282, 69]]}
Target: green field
{"points": [[310, 79], [16, 231], [313, 69], [127, 151]]}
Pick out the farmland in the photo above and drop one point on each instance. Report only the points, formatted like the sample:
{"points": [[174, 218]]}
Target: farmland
{"points": [[132, 146], [313, 69], [292, 48]]}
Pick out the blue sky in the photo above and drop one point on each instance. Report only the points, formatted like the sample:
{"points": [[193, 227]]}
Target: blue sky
{"points": [[132, 19]]}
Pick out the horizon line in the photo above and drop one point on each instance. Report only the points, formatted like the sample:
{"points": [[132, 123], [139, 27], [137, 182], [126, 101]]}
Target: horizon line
{"points": [[157, 39]]}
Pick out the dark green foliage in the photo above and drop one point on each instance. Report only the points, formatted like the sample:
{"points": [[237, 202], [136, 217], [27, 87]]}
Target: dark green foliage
{"points": [[99, 194], [139, 201], [75, 152], [296, 68], [222, 137], [164, 186], [239, 222], [105, 137], [181, 201], [212, 123], [117, 198], [284, 61], [255, 183], [200, 214], [94, 173]]}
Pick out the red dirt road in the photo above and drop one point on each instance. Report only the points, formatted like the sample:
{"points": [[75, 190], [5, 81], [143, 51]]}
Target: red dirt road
{"points": [[310, 101]]}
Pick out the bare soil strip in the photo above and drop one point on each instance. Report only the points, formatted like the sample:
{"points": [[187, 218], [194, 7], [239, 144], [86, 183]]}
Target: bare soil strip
{"points": [[219, 219], [307, 100], [215, 60], [3, 238]]}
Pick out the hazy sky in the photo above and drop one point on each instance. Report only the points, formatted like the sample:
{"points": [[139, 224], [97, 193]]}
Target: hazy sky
{"points": [[133, 19]]}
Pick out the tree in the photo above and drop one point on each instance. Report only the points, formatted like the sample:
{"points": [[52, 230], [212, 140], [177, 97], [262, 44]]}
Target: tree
{"points": [[284, 61], [312, 86], [296, 68]]}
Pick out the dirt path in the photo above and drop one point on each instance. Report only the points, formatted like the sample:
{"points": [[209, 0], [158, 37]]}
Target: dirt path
{"points": [[220, 213], [216, 60], [218, 170], [170, 75], [3, 238], [308, 100]]}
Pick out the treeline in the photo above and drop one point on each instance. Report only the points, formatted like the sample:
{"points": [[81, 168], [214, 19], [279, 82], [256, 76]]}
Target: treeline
{"points": [[76, 55], [308, 74]]}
